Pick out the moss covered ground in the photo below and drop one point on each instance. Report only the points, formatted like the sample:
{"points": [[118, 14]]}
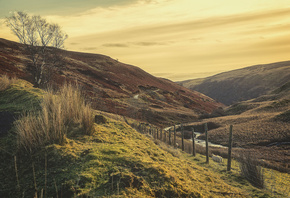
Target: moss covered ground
{"points": [[21, 96]]}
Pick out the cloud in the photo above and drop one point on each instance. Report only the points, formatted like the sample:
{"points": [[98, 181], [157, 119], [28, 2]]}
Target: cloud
{"points": [[149, 43], [132, 44], [220, 21], [115, 45]]}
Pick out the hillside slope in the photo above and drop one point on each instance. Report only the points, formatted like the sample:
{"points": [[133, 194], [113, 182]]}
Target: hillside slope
{"points": [[261, 125], [115, 161], [115, 87], [242, 84]]}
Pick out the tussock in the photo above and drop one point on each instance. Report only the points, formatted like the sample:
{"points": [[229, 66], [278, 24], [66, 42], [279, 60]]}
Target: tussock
{"points": [[57, 115], [251, 171], [5, 82], [87, 120]]}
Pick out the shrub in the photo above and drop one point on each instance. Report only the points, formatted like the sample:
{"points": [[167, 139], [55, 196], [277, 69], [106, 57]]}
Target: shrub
{"points": [[57, 115], [251, 170], [5, 82]]}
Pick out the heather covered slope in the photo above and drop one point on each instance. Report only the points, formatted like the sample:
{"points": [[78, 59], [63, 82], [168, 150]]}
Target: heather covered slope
{"points": [[116, 87], [242, 84], [261, 125]]}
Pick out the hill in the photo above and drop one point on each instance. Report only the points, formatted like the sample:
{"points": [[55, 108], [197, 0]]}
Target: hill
{"points": [[114, 161], [261, 126], [242, 84], [115, 87]]}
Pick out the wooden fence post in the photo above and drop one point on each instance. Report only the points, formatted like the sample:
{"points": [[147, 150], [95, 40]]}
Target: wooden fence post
{"points": [[193, 143], [174, 136], [169, 136], [206, 143], [182, 137], [157, 131], [230, 148], [165, 136]]}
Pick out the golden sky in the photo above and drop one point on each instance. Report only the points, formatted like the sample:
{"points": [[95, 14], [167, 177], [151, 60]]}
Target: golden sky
{"points": [[175, 39]]}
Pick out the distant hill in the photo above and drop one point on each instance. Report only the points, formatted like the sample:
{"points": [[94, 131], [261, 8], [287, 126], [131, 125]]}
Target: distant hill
{"points": [[242, 84], [261, 125], [115, 87]]}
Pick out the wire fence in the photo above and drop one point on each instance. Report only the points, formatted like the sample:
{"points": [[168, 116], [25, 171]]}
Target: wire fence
{"points": [[260, 173]]}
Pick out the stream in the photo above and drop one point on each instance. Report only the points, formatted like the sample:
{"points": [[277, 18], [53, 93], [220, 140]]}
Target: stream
{"points": [[199, 141], [202, 142]]}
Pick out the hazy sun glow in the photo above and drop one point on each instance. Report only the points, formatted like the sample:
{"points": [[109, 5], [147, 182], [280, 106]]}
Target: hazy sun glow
{"points": [[175, 39]]}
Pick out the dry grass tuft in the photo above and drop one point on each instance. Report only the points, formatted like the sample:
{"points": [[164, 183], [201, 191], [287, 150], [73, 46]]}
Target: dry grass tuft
{"points": [[87, 120], [5, 82], [251, 170], [51, 124]]}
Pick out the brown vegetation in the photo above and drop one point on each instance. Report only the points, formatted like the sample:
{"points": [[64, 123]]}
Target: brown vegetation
{"points": [[52, 123], [251, 170], [260, 125], [5, 82], [242, 84], [112, 85]]}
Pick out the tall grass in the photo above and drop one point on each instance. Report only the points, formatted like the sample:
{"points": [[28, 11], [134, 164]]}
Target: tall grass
{"points": [[5, 82], [251, 170], [87, 120], [59, 113]]}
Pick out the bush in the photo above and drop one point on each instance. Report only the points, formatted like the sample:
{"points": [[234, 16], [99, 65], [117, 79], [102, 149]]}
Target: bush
{"points": [[58, 113], [251, 170]]}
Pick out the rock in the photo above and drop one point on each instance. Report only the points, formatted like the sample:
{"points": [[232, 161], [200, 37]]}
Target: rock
{"points": [[100, 119]]}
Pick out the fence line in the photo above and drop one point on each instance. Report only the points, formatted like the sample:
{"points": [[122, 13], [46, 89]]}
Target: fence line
{"points": [[179, 143]]}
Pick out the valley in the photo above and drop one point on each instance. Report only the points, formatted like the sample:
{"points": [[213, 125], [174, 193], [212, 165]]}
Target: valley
{"points": [[107, 155], [260, 124]]}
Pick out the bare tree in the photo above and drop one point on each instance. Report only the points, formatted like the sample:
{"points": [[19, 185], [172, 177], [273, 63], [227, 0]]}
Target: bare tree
{"points": [[41, 40]]}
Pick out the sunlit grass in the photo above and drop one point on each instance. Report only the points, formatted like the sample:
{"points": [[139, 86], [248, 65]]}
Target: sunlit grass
{"points": [[5, 82], [58, 112]]}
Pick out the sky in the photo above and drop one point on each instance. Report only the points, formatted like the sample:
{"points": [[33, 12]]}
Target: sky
{"points": [[174, 39]]}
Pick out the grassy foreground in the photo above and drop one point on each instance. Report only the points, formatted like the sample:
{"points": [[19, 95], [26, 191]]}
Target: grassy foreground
{"points": [[115, 161]]}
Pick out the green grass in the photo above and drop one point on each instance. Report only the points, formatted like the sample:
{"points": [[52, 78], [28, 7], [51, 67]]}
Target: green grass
{"points": [[276, 183], [20, 97], [115, 160]]}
